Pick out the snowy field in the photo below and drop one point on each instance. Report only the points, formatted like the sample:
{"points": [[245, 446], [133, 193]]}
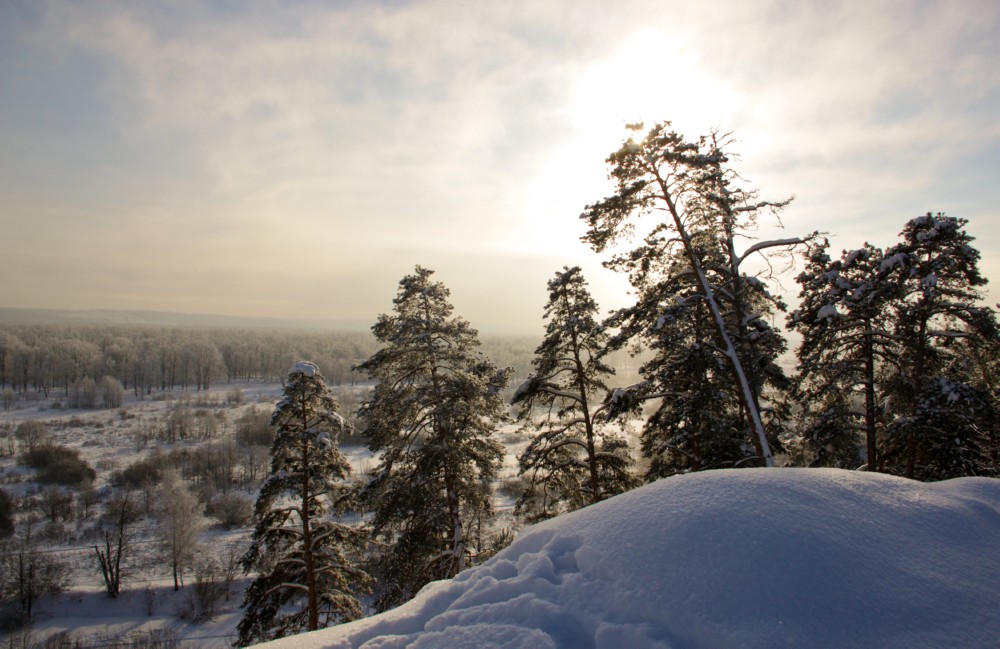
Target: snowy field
{"points": [[747, 558], [110, 439]]}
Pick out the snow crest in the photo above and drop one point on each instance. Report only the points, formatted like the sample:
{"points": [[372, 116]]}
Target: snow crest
{"points": [[305, 368], [748, 558]]}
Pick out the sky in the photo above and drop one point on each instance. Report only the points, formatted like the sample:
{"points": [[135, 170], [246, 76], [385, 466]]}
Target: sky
{"points": [[296, 159]]}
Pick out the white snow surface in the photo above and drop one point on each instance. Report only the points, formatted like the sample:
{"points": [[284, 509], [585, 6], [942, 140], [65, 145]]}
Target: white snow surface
{"points": [[305, 368], [720, 559]]}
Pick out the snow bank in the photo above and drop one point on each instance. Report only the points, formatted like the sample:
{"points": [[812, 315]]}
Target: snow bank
{"points": [[748, 558]]}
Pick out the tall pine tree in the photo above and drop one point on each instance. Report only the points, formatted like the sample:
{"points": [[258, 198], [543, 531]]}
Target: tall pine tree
{"points": [[690, 253], [944, 422], [307, 563], [571, 462], [431, 419], [848, 344]]}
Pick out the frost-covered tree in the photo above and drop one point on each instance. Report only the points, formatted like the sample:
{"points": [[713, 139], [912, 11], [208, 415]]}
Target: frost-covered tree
{"points": [[306, 562], [944, 424], [680, 203], [181, 518], [431, 419], [572, 461], [848, 344]]}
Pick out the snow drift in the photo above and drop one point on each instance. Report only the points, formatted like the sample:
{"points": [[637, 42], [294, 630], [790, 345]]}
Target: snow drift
{"points": [[747, 558]]}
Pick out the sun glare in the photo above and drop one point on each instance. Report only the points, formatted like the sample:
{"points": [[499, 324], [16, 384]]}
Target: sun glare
{"points": [[652, 77]]}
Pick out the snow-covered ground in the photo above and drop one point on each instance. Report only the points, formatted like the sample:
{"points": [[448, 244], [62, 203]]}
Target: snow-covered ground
{"points": [[747, 558]]}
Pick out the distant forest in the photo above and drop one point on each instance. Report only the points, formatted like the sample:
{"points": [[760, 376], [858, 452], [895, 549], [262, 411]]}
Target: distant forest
{"points": [[57, 358]]}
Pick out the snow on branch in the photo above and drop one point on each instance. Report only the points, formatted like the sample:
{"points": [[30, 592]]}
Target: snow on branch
{"points": [[774, 243]]}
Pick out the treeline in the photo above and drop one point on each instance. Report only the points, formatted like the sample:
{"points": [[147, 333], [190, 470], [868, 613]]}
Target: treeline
{"points": [[74, 360]]}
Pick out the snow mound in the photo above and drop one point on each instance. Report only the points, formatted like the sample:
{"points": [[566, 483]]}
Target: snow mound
{"points": [[747, 558], [305, 368]]}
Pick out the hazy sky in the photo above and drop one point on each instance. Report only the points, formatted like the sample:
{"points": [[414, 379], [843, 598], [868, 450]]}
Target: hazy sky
{"points": [[296, 159]]}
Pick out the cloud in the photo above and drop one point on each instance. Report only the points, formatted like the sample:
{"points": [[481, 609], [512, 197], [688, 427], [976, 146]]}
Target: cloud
{"points": [[250, 145]]}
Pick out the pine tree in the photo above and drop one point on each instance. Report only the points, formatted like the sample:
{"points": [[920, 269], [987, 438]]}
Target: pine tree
{"points": [[308, 577], [944, 422], [431, 419], [692, 185], [847, 345], [571, 462]]}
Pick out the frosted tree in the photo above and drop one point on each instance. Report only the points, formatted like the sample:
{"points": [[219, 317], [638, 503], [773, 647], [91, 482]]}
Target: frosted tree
{"points": [[181, 519], [848, 344], [571, 462], [431, 419], [679, 203], [306, 562], [944, 422]]}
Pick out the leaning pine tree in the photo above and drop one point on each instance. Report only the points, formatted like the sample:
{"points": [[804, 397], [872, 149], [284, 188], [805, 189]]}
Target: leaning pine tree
{"points": [[308, 577], [679, 205], [431, 419], [571, 462]]}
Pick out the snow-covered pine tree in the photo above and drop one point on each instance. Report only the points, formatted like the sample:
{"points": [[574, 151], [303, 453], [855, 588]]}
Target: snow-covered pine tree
{"points": [[431, 419], [945, 424], [694, 246], [308, 575], [847, 345], [572, 461]]}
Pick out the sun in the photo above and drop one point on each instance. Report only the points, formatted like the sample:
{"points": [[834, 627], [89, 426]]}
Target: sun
{"points": [[649, 77]]}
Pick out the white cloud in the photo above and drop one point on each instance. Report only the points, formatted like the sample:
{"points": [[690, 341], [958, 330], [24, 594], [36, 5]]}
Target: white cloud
{"points": [[478, 130]]}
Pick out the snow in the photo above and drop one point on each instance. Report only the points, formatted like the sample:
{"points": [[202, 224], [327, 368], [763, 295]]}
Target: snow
{"points": [[898, 259], [854, 255], [304, 368], [827, 311], [747, 558]]}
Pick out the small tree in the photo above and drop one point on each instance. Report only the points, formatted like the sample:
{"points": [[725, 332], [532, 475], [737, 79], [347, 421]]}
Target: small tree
{"points": [[112, 392], [117, 535], [308, 576], [27, 573], [84, 393], [571, 462], [30, 434], [181, 519], [431, 418]]}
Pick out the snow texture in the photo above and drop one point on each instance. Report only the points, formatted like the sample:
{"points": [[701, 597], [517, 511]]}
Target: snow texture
{"points": [[827, 311], [748, 558], [305, 368]]}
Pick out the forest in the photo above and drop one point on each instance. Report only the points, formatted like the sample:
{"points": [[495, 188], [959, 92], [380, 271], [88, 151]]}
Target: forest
{"points": [[370, 465]]}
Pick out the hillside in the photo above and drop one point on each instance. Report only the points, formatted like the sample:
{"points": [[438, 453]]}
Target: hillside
{"points": [[750, 558]]}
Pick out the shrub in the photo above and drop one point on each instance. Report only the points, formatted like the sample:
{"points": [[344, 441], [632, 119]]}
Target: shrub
{"points": [[83, 393], [253, 428], [235, 397], [59, 465], [112, 392], [31, 433], [144, 472], [231, 509]]}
